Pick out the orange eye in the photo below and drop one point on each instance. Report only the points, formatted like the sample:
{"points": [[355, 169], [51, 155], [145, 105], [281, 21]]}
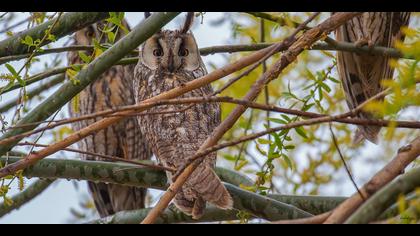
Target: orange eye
{"points": [[183, 52], [90, 32], [158, 52]]}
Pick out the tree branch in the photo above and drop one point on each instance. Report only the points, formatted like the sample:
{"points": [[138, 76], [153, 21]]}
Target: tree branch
{"points": [[385, 197], [313, 204], [69, 23], [206, 51], [394, 168], [131, 175], [169, 216]]}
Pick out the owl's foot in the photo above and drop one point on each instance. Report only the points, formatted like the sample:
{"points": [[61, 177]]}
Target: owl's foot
{"points": [[364, 42], [361, 42]]}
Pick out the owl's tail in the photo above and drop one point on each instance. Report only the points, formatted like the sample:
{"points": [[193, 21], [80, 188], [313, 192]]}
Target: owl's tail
{"points": [[202, 186], [366, 132]]}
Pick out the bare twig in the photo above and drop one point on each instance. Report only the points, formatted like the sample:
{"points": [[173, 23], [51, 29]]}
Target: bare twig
{"points": [[345, 163]]}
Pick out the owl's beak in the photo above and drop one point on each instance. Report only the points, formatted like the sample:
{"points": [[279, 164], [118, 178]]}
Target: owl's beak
{"points": [[171, 63]]}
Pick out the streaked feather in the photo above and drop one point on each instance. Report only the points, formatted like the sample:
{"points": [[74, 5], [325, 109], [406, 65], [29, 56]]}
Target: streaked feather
{"points": [[113, 89], [361, 74]]}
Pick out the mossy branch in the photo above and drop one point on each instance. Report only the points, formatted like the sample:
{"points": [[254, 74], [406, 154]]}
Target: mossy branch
{"points": [[385, 197], [67, 24], [132, 175]]}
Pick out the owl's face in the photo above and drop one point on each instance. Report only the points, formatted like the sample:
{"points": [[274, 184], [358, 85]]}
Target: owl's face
{"points": [[171, 51], [86, 35]]}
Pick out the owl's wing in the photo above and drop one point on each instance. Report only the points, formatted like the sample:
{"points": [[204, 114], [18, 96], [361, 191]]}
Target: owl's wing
{"points": [[361, 74]]}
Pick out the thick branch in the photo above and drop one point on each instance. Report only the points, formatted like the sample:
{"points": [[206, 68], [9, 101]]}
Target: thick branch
{"points": [[67, 24], [385, 197], [405, 156], [312, 204], [169, 216], [131, 175]]}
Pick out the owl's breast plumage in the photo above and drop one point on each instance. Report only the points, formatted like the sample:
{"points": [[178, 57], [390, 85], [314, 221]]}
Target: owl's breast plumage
{"points": [[176, 130]]}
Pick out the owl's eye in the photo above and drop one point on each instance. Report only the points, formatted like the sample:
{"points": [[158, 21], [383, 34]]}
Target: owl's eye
{"points": [[89, 33], [183, 52], [158, 52]]}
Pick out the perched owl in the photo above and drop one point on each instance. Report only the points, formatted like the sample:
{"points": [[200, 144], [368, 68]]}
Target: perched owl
{"points": [[124, 139], [168, 60], [361, 74]]}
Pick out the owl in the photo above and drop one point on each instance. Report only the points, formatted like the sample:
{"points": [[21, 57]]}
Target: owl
{"points": [[124, 139], [361, 74], [167, 60]]}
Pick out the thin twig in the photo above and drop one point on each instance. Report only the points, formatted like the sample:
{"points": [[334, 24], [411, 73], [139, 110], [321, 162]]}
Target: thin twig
{"points": [[345, 163]]}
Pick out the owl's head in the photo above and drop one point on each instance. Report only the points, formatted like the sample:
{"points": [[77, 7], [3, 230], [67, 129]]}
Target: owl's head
{"points": [[98, 31], [172, 51]]}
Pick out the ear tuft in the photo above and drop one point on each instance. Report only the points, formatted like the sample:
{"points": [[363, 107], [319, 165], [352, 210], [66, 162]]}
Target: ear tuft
{"points": [[188, 22]]}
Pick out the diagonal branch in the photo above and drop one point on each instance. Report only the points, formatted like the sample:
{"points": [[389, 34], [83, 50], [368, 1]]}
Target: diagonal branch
{"points": [[69, 23], [405, 156], [384, 198]]}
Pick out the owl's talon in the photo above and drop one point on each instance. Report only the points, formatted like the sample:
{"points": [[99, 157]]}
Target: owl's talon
{"points": [[370, 44], [362, 42]]}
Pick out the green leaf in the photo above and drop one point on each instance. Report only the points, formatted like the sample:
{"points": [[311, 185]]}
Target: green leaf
{"points": [[301, 131], [306, 107], [12, 70], [333, 79], [289, 147], [85, 58], [111, 37], [241, 165], [278, 121], [28, 40], [310, 75], [229, 157], [264, 141], [288, 161], [286, 118], [325, 87]]}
